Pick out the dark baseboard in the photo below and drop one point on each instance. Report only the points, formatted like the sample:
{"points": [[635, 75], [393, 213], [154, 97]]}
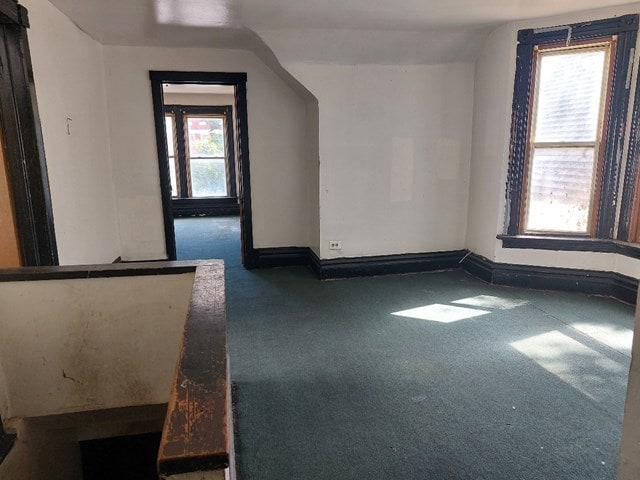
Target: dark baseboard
{"points": [[315, 263], [281, 256], [117, 260], [390, 264], [358, 266], [592, 282], [206, 207]]}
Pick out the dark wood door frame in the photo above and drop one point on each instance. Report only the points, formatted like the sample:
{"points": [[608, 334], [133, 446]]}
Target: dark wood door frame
{"points": [[22, 141], [239, 81]]}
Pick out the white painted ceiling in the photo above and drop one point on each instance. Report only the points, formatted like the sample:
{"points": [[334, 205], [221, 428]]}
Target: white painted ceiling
{"points": [[336, 31]]}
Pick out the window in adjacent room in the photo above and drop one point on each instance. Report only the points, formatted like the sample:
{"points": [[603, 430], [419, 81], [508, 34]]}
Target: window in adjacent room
{"points": [[569, 114], [200, 151]]}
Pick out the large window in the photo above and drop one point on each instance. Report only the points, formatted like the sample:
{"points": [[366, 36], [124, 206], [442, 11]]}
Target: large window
{"points": [[200, 152], [569, 114], [570, 87]]}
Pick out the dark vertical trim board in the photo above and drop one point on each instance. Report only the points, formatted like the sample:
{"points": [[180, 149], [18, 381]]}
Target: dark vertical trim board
{"points": [[631, 172], [23, 144], [615, 131], [163, 156]]}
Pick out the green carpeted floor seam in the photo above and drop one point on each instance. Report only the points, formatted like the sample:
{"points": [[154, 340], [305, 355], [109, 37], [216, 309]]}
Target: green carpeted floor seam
{"points": [[580, 333]]}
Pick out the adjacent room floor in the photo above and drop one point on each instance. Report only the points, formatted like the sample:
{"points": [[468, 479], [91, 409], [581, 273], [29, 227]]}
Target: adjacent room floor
{"points": [[425, 376], [200, 238]]}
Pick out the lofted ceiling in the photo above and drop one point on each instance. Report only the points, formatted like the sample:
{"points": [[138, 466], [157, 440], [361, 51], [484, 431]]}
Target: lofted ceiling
{"points": [[335, 31]]}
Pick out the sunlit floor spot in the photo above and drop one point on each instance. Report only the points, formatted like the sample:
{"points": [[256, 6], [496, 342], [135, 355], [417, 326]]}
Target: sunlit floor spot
{"points": [[441, 313], [489, 301], [616, 337], [583, 368]]}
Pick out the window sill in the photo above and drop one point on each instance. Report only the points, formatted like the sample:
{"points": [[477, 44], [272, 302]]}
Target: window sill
{"points": [[571, 244]]}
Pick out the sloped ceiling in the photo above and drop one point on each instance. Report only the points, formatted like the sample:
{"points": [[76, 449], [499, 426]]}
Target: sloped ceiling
{"points": [[332, 31]]}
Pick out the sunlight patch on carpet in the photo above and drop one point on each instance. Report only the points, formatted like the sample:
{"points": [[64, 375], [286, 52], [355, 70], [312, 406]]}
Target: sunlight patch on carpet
{"points": [[438, 312]]}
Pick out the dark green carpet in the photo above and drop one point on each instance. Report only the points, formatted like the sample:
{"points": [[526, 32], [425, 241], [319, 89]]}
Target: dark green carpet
{"points": [[328, 384], [200, 238]]}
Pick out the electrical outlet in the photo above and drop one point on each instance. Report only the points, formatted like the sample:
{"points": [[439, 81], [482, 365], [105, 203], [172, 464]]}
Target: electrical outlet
{"points": [[335, 245]]}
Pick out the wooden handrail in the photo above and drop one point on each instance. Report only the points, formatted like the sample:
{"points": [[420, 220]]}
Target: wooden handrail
{"points": [[197, 434]]}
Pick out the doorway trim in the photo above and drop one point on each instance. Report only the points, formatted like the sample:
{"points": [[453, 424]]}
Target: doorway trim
{"points": [[22, 142], [239, 81]]}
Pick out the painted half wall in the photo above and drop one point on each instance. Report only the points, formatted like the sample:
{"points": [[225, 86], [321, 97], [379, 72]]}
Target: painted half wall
{"points": [[278, 156], [89, 344], [394, 149], [70, 87], [494, 77]]}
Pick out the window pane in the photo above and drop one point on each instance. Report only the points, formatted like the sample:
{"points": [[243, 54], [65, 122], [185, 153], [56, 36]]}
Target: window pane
{"points": [[172, 175], [206, 137], [208, 177], [569, 91], [168, 123], [560, 186]]}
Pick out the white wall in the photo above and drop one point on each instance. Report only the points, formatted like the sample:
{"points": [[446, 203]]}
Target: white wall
{"points": [[89, 344], [493, 88], [493, 91], [279, 166], [394, 156], [69, 77]]}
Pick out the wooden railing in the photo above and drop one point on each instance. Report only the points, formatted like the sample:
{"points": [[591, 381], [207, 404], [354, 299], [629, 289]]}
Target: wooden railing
{"points": [[197, 434]]}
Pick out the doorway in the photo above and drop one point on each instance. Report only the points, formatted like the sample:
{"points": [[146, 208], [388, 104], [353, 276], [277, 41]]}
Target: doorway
{"points": [[203, 158]]}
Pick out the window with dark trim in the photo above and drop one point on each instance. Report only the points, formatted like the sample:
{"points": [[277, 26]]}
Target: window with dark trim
{"points": [[200, 149], [571, 96]]}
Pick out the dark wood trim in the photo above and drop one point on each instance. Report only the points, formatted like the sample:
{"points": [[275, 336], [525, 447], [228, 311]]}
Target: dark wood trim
{"points": [[315, 263], [122, 269], [579, 31], [478, 266], [221, 78], [625, 27], [24, 149], [390, 264], [630, 206], [196, 433], [593, 282], [238, 80], [519, 138], [282, 256], [12, 13], [571, 244], [615, 126], [163, 156], [246, 215], [183, 176], [581, 244], [210, 207], [6, 442]]}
